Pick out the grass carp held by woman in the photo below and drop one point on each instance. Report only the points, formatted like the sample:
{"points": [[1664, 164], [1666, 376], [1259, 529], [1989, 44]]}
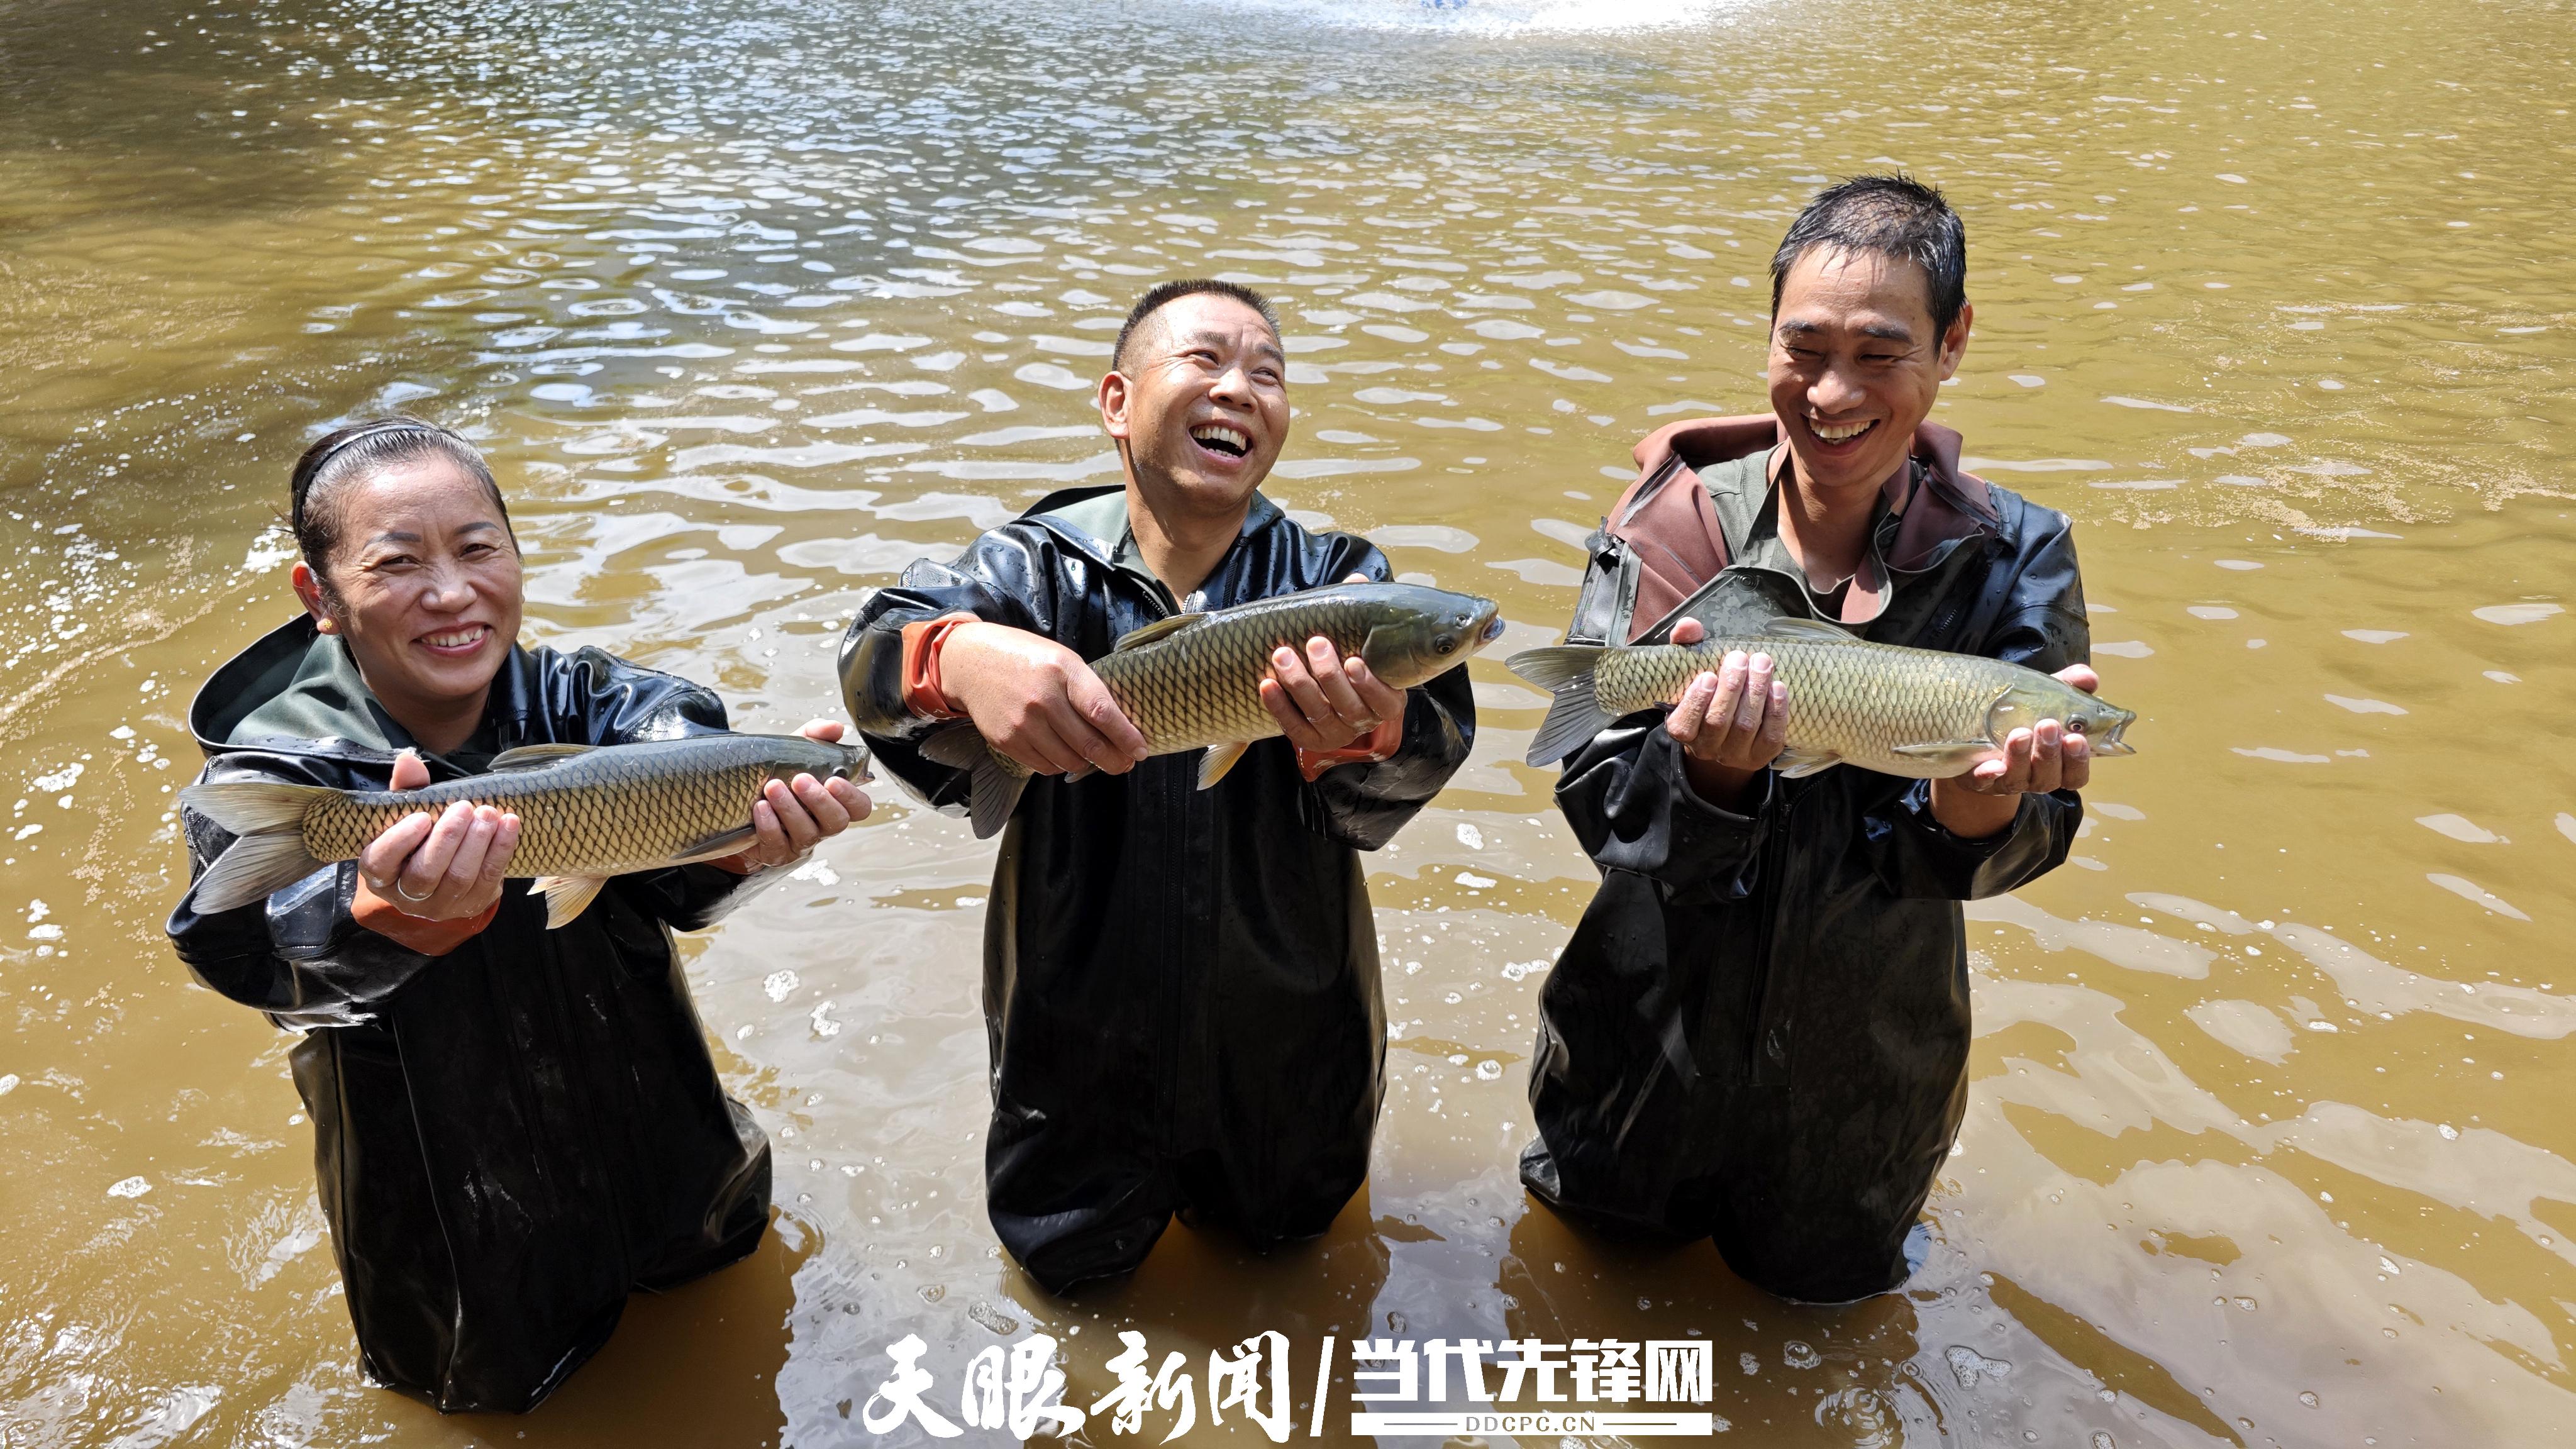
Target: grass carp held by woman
{"points": [[1919, 713], [586, 813], [1193, 681]]}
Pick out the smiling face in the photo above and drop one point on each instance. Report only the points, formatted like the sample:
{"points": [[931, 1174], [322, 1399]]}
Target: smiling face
{"points": [[1201, 403], [1856, 364], [423, 584]]}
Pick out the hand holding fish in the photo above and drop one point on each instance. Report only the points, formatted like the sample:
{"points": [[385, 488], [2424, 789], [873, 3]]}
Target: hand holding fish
{"points": [[1324, 701], [1731, 723], [443, 867], [1036, 702], [792, 816], [2033, 761]]}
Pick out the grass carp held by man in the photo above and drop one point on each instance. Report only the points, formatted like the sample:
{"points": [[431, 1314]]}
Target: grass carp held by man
{"points": [[1193, 681], [586, 812], [1920, 713]]}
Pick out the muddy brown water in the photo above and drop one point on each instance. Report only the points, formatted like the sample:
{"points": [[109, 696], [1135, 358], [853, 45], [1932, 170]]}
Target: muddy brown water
{"points": [[753, 303]]}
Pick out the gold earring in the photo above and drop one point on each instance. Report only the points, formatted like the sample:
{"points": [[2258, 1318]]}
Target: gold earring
{"points": [[327, 626]]}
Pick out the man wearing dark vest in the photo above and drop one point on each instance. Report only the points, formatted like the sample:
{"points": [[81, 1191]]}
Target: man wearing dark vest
{"points": [[1759, 1032]]}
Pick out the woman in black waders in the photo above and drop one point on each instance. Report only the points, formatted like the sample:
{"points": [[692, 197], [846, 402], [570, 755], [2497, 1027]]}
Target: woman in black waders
{"points": [[513, 1127]]}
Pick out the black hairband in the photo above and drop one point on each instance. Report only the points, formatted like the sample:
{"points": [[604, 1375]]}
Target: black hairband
{"points": [[360, 434]]}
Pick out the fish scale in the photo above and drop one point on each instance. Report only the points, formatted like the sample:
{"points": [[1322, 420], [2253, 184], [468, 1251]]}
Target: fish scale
{"points": [[585, 813], [1922, 713]]}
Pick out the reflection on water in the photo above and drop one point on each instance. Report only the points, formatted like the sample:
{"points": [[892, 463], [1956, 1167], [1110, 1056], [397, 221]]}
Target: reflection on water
{"points": [[752, 304]]}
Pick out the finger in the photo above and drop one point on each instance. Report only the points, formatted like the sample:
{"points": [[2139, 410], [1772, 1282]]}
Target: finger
{"points": [[2082, 677], [1088, 747], [496, 861], [1382, 700], [828, 731], [1093, 701], [822, 805], [769, 839], [1689, 631], [428, 865], [2079, 763], [1775, 723], [410, 773], [1722, 705], [383, 859], [799, 826], [1325, 662], [1291, 673], [465, 867], [1359, 579], [1684, 722], [1292, 720], [853, 800], [1757, 695], [2047, 762], [2017, 751]]}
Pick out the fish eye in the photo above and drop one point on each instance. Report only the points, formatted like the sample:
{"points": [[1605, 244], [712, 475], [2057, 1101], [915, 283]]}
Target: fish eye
{"points": [[1445, 643]]}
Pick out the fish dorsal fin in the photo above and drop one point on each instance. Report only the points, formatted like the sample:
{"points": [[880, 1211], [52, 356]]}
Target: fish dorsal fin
{"points": [[1813, 630], [1159, 629], [535, 757]]}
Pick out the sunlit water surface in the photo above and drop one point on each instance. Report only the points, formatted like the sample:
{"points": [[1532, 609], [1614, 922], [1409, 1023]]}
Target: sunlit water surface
{"points": [[753, 303]]}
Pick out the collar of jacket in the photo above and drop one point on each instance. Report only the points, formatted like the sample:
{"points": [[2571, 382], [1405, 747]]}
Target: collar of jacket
{"points": [[1917, 526], [254, 676], [1093, 522]]}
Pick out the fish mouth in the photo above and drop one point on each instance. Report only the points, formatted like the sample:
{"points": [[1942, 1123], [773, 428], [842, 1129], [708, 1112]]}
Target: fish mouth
{"points": [[1225, 440], [1493, 627], [2108, 744]]}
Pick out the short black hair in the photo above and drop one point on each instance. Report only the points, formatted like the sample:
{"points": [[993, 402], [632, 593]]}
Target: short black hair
{"points": [[1894, 216], [346, 455], [1164, 294]]}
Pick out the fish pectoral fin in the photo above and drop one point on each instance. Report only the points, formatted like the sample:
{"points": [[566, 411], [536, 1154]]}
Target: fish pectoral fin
{"points": [[1789, 626], [1218, 760], [959, 746], [567, 896], [1955, 756], [1796, 764], [535, 757], [1160, 628], [717, 846]]}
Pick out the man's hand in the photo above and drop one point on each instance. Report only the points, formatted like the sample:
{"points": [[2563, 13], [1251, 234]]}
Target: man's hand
{"points": [[792, 815], [1037, 702], [2033, 761], [442, 867], [1324, 701], [1731, 723]]}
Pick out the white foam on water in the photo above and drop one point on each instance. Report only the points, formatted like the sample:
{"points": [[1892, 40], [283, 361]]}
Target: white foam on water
{"points": [[1500, 18]]}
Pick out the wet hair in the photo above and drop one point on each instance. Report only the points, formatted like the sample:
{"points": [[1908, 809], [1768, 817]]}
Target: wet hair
{"points": [[1163, 294], [362, 450], [1894, 216]]}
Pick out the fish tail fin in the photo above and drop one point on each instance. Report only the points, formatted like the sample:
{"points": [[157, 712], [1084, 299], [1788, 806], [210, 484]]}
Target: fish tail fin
{"points": [[1565, 670], [253, 807], [266, 818], [994, 780]]}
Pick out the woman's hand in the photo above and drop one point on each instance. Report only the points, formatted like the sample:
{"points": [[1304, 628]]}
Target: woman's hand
{"points": [[1732, 721], [792, 815], [443, 867]]}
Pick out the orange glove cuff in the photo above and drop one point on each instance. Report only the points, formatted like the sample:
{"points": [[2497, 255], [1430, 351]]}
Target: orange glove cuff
{"points": [[429, 938], [922, 642], [1381, 743]]}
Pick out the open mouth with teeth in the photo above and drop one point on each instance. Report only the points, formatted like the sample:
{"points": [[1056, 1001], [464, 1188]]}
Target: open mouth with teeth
{"points": [[1834, 435], [1221, 439], [464, 639]]}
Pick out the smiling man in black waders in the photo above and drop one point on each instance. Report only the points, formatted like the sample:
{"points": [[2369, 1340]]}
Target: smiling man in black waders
{"points": [[1759, 1032], [1180, 985]]}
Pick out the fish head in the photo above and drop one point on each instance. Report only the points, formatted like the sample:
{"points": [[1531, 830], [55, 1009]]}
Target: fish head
{"points": [[822, 759], [1417, 632], [2099, 721]]}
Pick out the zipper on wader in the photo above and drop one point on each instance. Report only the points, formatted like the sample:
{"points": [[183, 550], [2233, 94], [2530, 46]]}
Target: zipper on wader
{"points": [[1766, 1040]]}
